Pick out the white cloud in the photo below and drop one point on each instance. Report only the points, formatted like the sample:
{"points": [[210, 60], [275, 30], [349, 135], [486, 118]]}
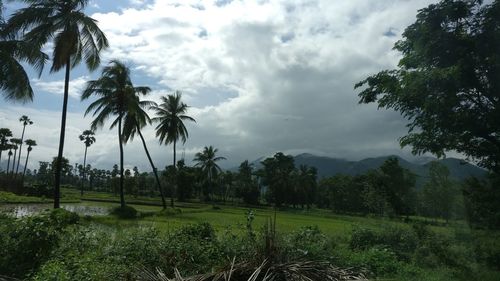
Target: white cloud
{"points": [[76, 86], [263, 76]]}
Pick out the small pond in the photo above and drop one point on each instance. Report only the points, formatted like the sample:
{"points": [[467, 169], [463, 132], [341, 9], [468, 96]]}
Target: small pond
{"points": [[22, 210]]}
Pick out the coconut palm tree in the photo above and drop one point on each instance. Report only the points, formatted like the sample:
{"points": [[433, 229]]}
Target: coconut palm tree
{"points": [[170, 115], [14, 82], [4, 134], [75, 37], [30, 143], [16, 142], [26, 121], [207, 161], [136, 119], [115, 96], [88, 139]]}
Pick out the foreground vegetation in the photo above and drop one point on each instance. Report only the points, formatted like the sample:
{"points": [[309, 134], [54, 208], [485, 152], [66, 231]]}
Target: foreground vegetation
{"points": [[199, 238]]}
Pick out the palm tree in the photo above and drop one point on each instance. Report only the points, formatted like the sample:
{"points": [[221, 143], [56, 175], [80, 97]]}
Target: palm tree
{"points": [[170, 115], [14, 82], [26, 121], [4, 134], [75, 37], [207, 161], [30, 143], [115, 96], [88, 139], [136, 119], [9, 147], [16, 142]]}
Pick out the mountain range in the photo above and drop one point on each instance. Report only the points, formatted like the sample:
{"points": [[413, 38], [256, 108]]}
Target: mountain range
{"points": [[327, 166]]}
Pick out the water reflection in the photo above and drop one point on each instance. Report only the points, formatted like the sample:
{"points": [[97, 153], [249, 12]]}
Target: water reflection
{"points": [[22, 210]]}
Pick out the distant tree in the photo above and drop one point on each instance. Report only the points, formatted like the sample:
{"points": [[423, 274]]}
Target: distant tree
{"points": [[186, 181], [374, 195], [16, 142], [481, 198], [5, 133], [170, 115], [44, 172], [447, 82], [439, 193], [9, 147], [247, 187], [30, 143], [87, 137], [276, 175], [25, 121], [306, 185], [75, 36], [207, 161], [399, 185]]}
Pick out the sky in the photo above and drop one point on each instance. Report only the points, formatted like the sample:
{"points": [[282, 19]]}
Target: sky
{"points": [[259, 77]]}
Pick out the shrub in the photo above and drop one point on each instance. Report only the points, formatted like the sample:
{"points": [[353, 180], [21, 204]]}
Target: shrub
{"points": [[126, 212], [308, 242], [401, 241], [26, 243], [203, 231]]}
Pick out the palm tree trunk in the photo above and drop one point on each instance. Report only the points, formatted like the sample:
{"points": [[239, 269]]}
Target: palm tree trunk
{"points": [[8, 164], [175, 180], [20, 149], [57, 180], [154, 169], [122, 198], [1, 157], [14, 161], [84, 169], [26, 164]]}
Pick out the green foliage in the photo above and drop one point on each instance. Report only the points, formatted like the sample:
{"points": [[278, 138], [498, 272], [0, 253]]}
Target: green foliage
{"points": [[126, 212], [307, 243], [481, 202], [400, 241], [446, 83], [26, 243]]}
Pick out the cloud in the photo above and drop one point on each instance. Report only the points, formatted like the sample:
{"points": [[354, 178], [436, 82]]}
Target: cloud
{"points": [[76, 86], [261, 76]]}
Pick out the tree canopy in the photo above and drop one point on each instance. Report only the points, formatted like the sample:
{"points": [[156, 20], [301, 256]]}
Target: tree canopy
{"points": [[447, 84]]}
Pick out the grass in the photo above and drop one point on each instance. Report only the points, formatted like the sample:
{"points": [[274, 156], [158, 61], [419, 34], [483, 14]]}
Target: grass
{"points": [[222, 217]]}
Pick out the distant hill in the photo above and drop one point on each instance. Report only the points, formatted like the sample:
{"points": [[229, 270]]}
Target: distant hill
{"points": [[328, 166]]}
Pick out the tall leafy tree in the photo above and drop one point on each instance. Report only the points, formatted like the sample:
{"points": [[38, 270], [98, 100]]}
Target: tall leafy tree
{"points": [[207, 161], [439, 193], [30, 143], [25, 120], [247, 187], [115, 96], [137, 118], [16, 142], [87, 137], [5, 133], [75, 37], [277, 174], [170, 115], [447, 82]]}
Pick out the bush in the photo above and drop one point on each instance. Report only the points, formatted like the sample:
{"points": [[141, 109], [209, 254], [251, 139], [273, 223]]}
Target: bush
{"points": [[401, 241], [308, 242], [202, 231], [27, 243], [126, 212]]}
